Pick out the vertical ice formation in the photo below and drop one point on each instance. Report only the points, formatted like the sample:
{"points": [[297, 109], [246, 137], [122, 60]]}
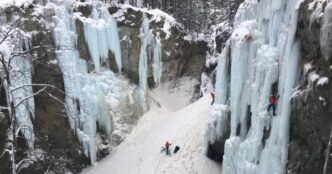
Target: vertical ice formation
{"points": [[150, 50], [20, 89], [218, 115], [263, 52], [142, 90], [86, 93], [157, 62], [326, 34], [101, 35]]}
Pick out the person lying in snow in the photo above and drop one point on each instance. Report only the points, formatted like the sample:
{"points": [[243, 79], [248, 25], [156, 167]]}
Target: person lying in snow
{"points": [[272, 101]]}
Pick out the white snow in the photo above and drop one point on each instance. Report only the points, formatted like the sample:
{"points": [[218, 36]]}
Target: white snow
{"points": [[321, 98], [322, 81], [307, 68], [317, 10], [7, 3], [141, 151], [313, 77], [156, 16]]}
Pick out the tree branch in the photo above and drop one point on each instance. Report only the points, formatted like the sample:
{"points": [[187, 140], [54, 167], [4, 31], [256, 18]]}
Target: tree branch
{"points": [[30, 96], [40, 85], [3, 108]]}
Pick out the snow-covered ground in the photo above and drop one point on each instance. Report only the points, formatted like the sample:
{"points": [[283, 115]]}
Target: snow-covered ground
{"points": [[141, 153]]}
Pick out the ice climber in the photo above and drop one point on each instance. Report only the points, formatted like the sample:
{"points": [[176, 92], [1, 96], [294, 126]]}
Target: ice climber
{"points": [[212, 95], [272, 101]]}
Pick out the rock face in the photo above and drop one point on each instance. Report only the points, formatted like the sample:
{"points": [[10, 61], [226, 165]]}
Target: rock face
{"points": [[311, 107], [57, 146], [180, 57]]}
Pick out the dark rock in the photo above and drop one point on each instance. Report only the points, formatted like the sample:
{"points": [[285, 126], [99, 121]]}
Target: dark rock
{"points": [[215, 150], [311, 107]]}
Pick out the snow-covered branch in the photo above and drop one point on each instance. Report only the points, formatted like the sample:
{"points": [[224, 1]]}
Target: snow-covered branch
{"points": [[30, 96], [36, 85], [18, 166], [7, 34], [3, 108]]}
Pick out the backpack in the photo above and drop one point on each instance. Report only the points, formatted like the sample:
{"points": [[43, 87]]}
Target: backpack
{"points": [[177, 148]]}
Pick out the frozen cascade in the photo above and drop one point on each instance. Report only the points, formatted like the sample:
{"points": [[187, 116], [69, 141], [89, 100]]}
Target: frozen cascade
{"points": [[142, 90], [87, 94], [150, 50], [263, 53], [101, 35]]}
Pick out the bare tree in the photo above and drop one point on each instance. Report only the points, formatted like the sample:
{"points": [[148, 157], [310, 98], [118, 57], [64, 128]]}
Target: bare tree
{"points": [[15, 73]]}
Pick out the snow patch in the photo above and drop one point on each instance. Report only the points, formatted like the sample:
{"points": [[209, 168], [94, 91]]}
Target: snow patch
{"points": [[322, 81], [307, 68], [18, 3]]}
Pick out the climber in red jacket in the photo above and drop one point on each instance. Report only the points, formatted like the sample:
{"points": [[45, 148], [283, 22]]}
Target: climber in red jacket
{"points": [[272, 101]]}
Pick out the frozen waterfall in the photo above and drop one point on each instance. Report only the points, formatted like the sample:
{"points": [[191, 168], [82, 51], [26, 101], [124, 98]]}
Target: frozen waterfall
{"points": [[142, 90], [150, 49], [263, 53], [88, 94]]}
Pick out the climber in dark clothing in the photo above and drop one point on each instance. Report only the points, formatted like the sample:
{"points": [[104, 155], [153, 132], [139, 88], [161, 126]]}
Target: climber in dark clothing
{"points": [[272, 101], [212, 95], [167, 147]]}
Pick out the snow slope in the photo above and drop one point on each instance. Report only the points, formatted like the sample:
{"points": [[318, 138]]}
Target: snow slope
{"points": [[140, 152]]}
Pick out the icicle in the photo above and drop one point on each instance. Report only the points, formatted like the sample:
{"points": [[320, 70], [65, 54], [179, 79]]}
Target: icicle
{"points": [[157, 62], [326, 34], [101, 35], [142, 90]]}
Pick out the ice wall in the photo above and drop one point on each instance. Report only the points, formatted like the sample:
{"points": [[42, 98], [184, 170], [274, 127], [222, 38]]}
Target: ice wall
{"points": [[218, 116], [88, 94], [263, 53]]}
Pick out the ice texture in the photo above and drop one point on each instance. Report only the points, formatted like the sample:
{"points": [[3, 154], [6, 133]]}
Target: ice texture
{"points": [[88, 95], [260, 59], [101, 35]]}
